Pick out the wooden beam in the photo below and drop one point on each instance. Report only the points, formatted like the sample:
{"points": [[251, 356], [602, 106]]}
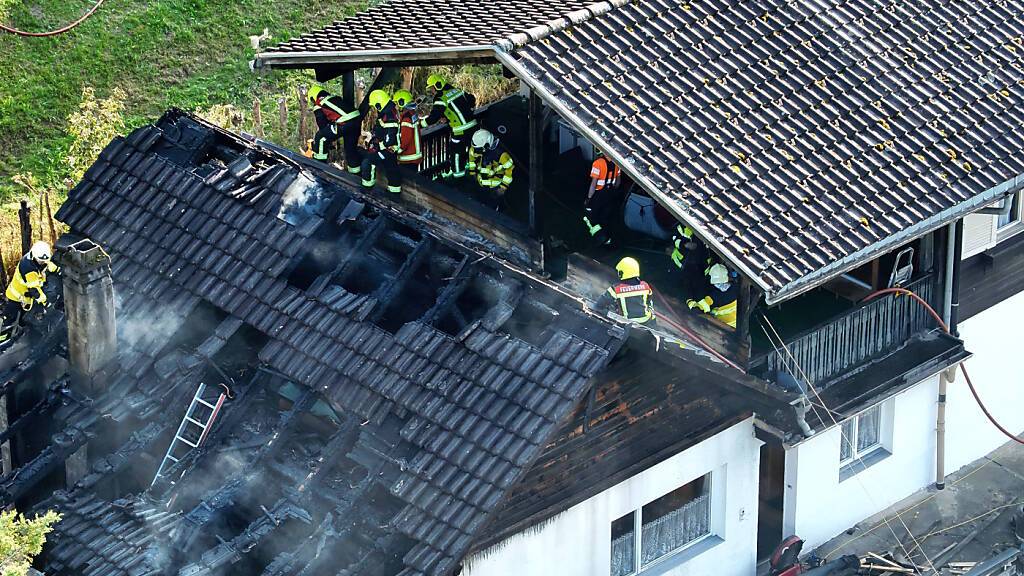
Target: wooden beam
{"points": [[348, 89], [536, 155], [389, 75], [405, 274], [744, 307]]}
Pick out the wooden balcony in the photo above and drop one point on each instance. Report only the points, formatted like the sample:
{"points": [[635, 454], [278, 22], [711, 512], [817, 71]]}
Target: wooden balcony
{"points": [[846, 343]]}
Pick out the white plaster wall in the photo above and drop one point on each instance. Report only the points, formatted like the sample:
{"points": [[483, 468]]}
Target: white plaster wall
{"points": [[577, 542], [995, 369], [818, 506]]}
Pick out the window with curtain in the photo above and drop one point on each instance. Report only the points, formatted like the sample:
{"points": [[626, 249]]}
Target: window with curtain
{"points": [[861, 435], [661, 527]]}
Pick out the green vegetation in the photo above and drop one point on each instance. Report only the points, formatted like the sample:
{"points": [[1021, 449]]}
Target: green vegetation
{"points": [[193, 54], [21, 539]]}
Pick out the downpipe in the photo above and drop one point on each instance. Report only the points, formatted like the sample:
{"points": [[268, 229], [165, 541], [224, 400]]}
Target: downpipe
{"points": [[948, 375]]}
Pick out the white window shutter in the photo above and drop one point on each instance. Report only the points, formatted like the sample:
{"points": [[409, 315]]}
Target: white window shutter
{"points": [[979, 234]]}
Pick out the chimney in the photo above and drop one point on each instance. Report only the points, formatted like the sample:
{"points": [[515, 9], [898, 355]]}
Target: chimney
{"points": [[89, 307]]}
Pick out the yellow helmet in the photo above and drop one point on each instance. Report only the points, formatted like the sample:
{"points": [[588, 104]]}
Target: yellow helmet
{"points": [[379, 99], [402, 98], [436, 81], [315, 92], [628, 268]]}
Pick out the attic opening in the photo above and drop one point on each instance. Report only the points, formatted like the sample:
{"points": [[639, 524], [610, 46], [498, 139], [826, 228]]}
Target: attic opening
{"points": [[473, 300]]}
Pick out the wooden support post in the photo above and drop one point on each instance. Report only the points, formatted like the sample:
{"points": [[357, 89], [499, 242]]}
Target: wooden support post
{"points": [[390, 75], [744, 307], [304, 133], [348, 89], [282, 117], [257, 118], [406, 82], [536, 161], [3, 271], [25, 220], [49, 219]]}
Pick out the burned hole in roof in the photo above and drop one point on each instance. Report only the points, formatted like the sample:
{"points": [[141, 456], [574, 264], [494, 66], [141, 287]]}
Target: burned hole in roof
{"points": [[475, 291]]}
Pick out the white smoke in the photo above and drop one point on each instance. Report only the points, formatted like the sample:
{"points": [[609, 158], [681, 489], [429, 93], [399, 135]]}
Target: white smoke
{"points": [[139, 329], [300, 200]]}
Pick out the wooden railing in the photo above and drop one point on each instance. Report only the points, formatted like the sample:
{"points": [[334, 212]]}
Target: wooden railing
{"points": [[869, 331], [434, 143]]}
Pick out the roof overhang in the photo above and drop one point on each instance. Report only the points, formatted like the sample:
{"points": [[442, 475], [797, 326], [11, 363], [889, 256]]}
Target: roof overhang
{"points": [[502, 52], [371, 58], [868, 253]]}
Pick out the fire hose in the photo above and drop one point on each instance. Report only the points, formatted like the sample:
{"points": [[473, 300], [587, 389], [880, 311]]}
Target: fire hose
{"points": [[963, 368], [61, 30]]}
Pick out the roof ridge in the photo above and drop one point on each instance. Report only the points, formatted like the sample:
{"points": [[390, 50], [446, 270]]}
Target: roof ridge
{"points": [[520, 39]]}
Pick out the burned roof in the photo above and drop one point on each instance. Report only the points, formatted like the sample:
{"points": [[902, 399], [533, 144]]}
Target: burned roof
{"points": [[417, 29], [387, 387], [797, 137]]}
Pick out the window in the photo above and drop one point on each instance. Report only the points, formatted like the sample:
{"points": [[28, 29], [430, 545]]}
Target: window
{"points": [[1011, 223], [861, 435], [661, 527]]}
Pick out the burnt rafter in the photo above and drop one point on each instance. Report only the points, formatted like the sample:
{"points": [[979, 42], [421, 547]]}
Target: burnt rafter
{"points": [[384, 295], [231, 551], [221, 499]]}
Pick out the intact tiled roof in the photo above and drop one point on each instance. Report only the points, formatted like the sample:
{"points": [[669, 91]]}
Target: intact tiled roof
{"points": [[796, 134], [407, 25], [447, 383]]}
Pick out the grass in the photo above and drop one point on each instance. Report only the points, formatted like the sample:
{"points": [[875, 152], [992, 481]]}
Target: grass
{"points": [[190, 54]]}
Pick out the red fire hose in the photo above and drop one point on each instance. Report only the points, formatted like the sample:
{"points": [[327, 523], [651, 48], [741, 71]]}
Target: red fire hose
{"points": [[62, 30], [963, 368]]}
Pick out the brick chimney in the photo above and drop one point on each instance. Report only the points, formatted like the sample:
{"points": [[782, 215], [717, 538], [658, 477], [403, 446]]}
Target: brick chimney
{"points": [[89, 307]]}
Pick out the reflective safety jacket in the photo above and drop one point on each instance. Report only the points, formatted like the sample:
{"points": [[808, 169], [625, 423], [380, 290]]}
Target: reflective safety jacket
{"points": [[721, 305], [331, 109], [386, 132], [493, 169], [409, 137], [27, 285], [635, 300], [608, 175], [456, 106], [682, 235]]}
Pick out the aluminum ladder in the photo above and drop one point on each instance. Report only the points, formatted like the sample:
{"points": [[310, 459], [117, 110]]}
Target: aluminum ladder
{"points": [[193, 429]]}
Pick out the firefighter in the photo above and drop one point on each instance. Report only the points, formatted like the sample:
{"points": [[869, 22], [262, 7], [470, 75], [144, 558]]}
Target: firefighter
{"points": [[721, 300], [491, 164], [409, 136], [605, 179], [384, 144], [631, 297], [26, 287], [689, 256], [334, 122], [455, 106]]}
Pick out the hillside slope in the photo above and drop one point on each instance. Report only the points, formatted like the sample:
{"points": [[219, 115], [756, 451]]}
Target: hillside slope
{"points": [[193, 54]]}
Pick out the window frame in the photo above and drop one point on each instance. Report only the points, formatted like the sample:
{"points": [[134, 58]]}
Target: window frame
{"points": [[861, 459], [638, 522], [1016, 223]]}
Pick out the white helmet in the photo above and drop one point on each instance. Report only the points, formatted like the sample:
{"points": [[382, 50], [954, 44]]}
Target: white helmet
{"points": [[484, 139], [719, 274], [40, 252]]}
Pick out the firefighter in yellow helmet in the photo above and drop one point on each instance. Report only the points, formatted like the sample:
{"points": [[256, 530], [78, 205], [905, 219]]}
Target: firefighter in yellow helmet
{"points": [[456, 107], [384, 144], [26, 287], [334, 122], [723, 291], [411, 153], [631, 297], [491, 165]]}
